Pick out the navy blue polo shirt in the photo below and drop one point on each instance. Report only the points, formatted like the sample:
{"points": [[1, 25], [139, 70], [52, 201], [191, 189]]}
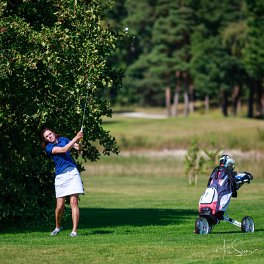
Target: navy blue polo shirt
{"points": [[61, 160]]}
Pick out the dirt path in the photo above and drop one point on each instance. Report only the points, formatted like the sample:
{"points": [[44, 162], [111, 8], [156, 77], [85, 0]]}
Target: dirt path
{"points": [[143, 115]]}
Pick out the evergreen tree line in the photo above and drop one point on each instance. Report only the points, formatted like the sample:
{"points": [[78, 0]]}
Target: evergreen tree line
{"points": [[187, 50]]}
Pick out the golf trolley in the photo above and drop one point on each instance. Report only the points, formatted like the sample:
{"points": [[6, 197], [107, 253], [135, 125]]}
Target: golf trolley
{"points": [[209, 216]]}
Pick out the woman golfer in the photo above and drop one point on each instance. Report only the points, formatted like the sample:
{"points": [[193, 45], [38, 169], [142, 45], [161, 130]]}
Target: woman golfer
{"points": [[68, 180]]}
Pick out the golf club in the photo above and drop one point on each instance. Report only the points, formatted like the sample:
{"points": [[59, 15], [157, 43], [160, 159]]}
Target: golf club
{"points": [[85, 106]]}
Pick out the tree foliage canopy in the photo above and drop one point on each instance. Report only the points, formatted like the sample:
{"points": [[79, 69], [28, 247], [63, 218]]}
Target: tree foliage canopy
{"points": [[52, 52], [216, 47]]}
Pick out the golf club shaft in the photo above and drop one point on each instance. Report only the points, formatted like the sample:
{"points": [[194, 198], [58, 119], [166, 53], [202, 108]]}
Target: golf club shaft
{"points": [[85, 106]]}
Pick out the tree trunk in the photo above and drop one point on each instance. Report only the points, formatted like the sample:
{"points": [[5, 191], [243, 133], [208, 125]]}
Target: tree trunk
{"points": [[176, 101], [239, 105], [168, 100], [176, 94], [191, 91], [235, 98], [186, 95], [224, 103], [259, 90], [251, 99], [186, 103], [207, 103], [262, 105]]}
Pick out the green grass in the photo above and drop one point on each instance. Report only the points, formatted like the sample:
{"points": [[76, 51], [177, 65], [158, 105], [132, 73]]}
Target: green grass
{"points": [[141, 210], [229, 133]]}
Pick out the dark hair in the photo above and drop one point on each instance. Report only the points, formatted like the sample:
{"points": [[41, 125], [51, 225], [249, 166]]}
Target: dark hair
{"points": [[44, 141]]}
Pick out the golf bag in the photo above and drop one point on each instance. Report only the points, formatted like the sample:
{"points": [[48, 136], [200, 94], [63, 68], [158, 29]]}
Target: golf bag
{"points": [[215, 200], [222, 185]]}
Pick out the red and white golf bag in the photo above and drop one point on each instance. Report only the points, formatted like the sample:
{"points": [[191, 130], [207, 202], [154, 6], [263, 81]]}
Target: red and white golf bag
{"points": [[222, 185]]}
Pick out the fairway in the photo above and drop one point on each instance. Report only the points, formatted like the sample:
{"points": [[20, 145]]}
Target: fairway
{"points": [[141, 210]]}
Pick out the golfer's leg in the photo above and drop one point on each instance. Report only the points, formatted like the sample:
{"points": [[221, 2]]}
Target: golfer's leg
{"points": [[75, 212], [59, 211]]}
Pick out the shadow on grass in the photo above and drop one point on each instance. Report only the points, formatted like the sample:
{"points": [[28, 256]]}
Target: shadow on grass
{"points": [[110, 217], [113, 217]]}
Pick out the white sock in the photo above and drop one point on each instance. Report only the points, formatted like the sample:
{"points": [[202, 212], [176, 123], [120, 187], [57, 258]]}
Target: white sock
{"points": [[74, 233]]}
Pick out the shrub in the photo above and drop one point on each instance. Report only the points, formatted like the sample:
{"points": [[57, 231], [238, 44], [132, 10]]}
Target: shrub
{"points": [[46, 62]]}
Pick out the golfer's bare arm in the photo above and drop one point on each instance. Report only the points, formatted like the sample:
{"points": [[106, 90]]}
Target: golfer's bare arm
{"points": [[76, 146], [71, 144]]}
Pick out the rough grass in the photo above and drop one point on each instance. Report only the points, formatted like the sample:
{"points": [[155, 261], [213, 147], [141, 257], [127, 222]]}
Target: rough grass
{"points": [[177, 133], [141, 210]]}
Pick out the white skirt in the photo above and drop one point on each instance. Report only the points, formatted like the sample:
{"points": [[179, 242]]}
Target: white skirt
{"points": [[69, 182]]}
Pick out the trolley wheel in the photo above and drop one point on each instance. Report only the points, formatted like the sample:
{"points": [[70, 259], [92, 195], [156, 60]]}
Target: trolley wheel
{"points": [[202, 226], [247, 224]]}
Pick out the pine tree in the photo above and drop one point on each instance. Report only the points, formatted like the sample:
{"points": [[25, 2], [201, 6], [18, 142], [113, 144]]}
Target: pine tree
{"points": [[254, 55]]}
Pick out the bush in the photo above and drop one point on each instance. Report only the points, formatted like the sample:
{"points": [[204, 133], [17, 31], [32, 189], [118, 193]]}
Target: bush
{"points": [[46, 62], [199, 162]]}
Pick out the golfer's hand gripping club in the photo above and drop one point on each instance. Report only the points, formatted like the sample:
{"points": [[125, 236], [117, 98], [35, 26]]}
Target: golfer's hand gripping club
{"points": [[79, 145], [80, 140]]}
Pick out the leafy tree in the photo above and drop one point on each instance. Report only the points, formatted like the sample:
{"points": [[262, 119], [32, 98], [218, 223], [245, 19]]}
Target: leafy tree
{"points": [[164, 39], [212, 59], [49, 51], [209, 49], [139, 22], [184, 26], [253, 55], [142, 86], [234, 39], [210, 69]]}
